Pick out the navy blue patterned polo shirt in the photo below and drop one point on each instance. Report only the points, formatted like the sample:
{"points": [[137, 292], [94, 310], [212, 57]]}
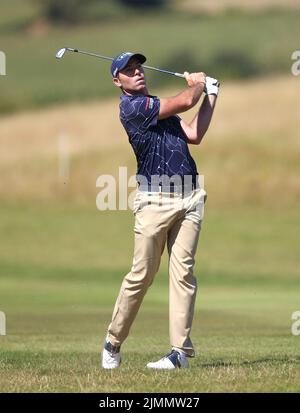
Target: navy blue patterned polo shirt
{"points": [[160, 146]]}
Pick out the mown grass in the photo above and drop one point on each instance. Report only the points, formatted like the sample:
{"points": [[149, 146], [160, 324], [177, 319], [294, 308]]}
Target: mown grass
{"points": [[43, 242], [61, 268]]}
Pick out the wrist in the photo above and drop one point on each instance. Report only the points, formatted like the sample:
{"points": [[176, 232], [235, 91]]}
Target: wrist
{"points": [[212, 97], [195, 85]]}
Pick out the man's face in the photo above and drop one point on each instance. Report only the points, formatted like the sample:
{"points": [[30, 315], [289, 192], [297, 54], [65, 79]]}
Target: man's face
{"points": [[132, 78]]}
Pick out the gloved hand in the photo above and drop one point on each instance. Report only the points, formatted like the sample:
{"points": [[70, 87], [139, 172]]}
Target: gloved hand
{"points": [[211, 86]]}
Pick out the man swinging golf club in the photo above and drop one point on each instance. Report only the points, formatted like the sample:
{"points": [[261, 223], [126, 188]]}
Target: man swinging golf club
{"points": [[160, 138]]}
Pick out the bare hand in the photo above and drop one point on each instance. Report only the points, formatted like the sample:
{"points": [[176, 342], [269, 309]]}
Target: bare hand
{"points": [[194, 79]]}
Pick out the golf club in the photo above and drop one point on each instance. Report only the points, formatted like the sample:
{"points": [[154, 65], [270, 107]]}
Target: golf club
{"points": [[62, 52]]}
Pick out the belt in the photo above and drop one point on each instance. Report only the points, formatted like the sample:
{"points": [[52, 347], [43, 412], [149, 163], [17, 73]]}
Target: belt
{"points": [[180, 189]]}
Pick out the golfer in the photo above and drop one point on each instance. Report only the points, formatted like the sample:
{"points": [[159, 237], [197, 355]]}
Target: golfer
{"points": [[168, 205]]}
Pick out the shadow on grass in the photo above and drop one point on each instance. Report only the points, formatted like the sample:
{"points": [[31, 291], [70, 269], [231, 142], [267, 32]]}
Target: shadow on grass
{"points": [[221, 363]]}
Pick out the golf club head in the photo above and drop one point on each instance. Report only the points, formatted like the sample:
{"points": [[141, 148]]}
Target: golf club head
{"points": [[61, 53]]}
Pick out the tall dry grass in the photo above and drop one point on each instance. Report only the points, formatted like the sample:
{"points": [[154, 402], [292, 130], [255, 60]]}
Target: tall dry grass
{"points": [[222, 5], [250, 154]]}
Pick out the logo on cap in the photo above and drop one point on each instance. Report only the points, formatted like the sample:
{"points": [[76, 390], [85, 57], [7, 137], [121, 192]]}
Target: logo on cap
{"points": [[121, 57]]}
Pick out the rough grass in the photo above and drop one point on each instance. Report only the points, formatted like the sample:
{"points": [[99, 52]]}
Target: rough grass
{"points": [[254, 130], [214, 6], [243, 343], [215, 371]]}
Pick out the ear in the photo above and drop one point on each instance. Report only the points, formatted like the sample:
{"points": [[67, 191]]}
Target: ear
{"points": [[117, 81]]}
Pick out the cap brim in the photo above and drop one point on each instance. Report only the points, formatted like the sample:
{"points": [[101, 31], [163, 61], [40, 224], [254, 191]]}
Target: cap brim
{"points": [[141, 58]]}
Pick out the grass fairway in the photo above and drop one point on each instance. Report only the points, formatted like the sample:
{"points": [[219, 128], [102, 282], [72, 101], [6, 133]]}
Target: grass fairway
{"points": [[61, 268]]}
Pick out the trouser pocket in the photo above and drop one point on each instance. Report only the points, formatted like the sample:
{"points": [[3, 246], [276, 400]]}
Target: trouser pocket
{"points": [[195, 205]]}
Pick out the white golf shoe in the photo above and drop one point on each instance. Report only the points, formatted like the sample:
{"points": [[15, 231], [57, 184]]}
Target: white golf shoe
{"points": [[111, 357], [173, 360]]}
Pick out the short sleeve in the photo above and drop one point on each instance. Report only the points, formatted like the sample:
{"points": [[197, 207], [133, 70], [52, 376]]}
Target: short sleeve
{"points": [[142, 112]]}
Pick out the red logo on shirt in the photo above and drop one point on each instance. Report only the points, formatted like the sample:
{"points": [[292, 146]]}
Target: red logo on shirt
{"points": [[147, 102]]}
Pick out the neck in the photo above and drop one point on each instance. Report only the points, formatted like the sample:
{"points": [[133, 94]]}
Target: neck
{"points": [[143, 92]]}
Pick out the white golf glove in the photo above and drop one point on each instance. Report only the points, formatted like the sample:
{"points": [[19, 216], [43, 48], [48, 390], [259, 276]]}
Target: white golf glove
{"points": [[212, 86]]}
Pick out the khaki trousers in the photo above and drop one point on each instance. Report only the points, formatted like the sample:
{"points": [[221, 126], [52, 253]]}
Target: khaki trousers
{"points": [[162, 218]]}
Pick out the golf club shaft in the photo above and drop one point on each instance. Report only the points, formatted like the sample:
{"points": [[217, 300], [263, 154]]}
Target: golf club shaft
{"points": [[89, 53], [111, 58]]}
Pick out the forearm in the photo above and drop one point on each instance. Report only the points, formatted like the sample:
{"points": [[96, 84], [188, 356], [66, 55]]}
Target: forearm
{"points": [[193, 93], [182, 102], [202, 120]]}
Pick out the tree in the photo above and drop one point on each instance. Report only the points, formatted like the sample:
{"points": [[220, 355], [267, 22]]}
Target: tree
{"points": [[63, 10], [144, 3]]}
